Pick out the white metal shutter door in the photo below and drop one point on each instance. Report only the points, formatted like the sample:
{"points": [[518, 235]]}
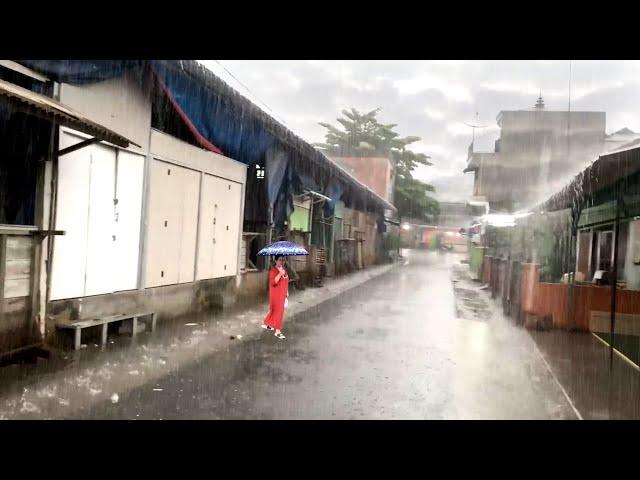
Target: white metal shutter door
{"points": [[232, 216], [162, 257], [221, 250], [72, 204], [189, 188], [206, 235], [100, 270], [130, 173], [227, 228]]}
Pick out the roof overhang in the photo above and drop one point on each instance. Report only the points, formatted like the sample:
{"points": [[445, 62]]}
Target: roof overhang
{"points": [[311, 194], [606, 171], [49, 109]]}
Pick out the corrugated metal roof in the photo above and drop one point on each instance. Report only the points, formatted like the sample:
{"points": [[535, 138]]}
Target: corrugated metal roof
{"points": [[632, 145], [607, 170], [52, 110]]}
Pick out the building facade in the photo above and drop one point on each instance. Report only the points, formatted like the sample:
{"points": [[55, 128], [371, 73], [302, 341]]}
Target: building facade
{"points": [[135, 186], [537, 152]]}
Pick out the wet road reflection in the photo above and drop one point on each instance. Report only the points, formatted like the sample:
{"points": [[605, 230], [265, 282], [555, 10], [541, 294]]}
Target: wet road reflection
{"points": [[393, 348]]}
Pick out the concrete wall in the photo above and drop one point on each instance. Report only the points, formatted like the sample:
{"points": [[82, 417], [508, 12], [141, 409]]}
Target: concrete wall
{"points": [[120, 104], [168, 302], [253, 286], [487, 180], [168, 148], [555, 143]]}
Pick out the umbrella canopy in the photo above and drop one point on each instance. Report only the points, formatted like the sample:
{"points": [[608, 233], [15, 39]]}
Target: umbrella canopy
{"points": [[283, 248]]}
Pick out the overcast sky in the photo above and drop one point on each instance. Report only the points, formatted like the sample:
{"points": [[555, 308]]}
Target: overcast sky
{"points": [[433, 99]]}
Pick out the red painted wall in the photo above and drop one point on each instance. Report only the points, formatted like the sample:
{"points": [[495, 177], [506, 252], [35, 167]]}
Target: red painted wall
{"points": [[544, 299]]}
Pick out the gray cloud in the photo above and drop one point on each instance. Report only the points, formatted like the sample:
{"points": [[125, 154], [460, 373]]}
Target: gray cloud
{"points": [[433, 99]]}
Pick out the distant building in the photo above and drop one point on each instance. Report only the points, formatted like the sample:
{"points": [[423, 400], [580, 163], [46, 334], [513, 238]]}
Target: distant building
{"points": [[538, 152], [454, 214]]}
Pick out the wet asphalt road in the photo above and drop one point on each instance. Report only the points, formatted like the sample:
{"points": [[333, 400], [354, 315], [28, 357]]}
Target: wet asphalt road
{"points": [[393, 348]]}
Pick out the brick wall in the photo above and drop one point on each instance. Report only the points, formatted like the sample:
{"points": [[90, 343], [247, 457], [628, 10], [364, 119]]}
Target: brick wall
{"points": [[374, 172]]}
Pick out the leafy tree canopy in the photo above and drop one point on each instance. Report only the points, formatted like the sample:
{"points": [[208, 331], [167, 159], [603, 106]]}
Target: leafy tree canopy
{"points": [[362, 135]]}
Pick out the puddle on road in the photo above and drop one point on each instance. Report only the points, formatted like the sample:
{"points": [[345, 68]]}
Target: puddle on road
{"points": [[470, 305]]}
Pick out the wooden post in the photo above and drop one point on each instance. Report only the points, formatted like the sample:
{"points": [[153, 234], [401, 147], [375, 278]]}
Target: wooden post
{"points": [[76, 338], [52, 217], [105, 327], [34, 316]]}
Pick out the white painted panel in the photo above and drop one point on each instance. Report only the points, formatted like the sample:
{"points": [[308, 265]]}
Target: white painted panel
{"points": [[172, 221], [232, 220], [100, 271], [163, 225], [227, 228], [130, 173], [206, 228], [189, 189], [70, 250], [175, 199], [220, 251]]}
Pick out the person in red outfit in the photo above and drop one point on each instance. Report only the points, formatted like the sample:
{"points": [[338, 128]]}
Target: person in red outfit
{"points": [[278, 293]]}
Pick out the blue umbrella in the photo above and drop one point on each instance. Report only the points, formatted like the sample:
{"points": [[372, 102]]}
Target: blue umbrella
{"points": [[283, 248]]}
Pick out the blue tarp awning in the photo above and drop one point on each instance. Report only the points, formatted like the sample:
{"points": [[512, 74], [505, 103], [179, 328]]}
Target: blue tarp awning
{"points": [[225, 122]]}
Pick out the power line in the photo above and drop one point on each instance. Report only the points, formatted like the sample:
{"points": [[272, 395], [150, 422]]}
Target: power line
{"points": [[249, 90]]}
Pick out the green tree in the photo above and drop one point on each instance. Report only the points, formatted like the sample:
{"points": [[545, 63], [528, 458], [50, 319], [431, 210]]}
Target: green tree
{"points": [[363, 136]]}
